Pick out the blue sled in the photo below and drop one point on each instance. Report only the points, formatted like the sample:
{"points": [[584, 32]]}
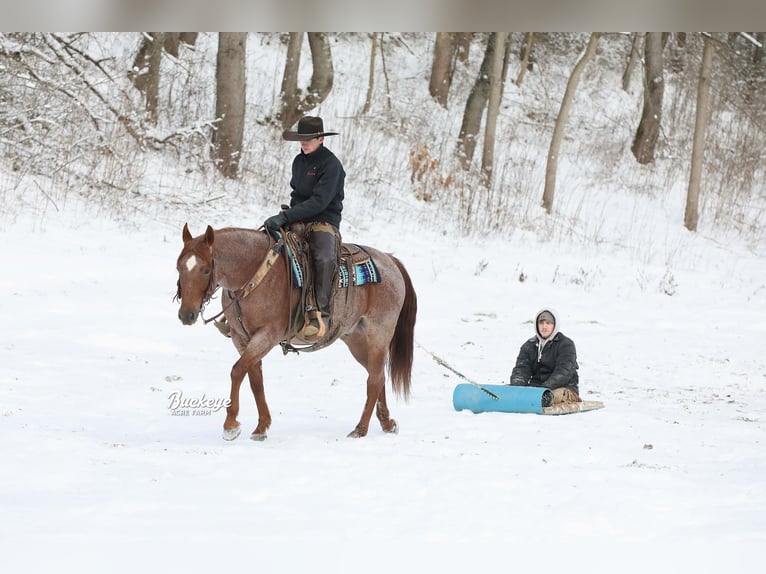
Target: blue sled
{"points": [[510, 399]]}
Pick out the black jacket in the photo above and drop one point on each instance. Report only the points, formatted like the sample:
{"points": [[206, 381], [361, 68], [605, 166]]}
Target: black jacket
{"points": [[317, 182], [556, 367]]}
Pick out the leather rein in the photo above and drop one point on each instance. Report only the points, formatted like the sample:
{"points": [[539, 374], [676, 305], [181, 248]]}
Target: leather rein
{"points": [[271, 256]]}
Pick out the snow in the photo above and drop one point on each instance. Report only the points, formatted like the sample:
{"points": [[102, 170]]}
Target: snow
{"points": [[97, 474]]}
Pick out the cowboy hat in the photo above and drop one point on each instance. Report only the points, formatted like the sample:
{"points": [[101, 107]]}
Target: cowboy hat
{"points": [[309, 127]]}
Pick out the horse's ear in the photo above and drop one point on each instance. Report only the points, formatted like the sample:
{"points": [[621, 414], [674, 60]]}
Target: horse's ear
{"points": [[186, 234], [209, 235]]}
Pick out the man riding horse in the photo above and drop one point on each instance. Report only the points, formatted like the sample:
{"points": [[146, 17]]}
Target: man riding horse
{"points": [[317, 201]]}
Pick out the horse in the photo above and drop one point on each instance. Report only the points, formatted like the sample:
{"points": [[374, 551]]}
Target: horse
{"points": [[376, 324]]}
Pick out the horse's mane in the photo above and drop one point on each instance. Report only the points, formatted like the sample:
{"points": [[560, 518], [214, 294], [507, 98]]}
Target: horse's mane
{"points": [[240, 242], [235, 232]]}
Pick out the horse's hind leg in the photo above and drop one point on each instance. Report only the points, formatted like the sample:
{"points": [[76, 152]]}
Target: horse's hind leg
{"points": [[255, 375], [374, 362], [386, 422]]}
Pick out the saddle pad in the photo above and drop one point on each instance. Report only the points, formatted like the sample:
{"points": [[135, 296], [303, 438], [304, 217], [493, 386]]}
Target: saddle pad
{"points": [[364, 272]]}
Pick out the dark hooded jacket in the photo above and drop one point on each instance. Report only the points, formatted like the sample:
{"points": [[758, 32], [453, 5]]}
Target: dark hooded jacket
{"points": [[550, 363], [317, 182]]}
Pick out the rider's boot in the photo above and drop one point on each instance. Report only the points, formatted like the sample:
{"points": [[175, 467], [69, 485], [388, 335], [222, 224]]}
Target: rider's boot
{"points": [[318, 320]]}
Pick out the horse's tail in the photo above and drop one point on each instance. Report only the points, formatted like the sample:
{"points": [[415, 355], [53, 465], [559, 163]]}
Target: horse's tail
{"points": [[401, 347]]}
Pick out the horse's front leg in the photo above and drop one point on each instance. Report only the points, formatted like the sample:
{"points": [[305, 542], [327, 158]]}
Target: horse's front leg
{"points": [[255, 375], [231, 428]]}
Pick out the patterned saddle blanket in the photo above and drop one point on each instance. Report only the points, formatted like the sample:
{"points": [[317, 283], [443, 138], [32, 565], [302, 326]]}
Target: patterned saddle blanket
{"points": [[356, 265]]}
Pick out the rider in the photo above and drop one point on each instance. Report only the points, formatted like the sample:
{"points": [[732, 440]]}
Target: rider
{"points": [[316, 200]]}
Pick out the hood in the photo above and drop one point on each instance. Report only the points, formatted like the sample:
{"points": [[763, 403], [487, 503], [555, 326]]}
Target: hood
{"points": [[556, 326], [556, 322]]}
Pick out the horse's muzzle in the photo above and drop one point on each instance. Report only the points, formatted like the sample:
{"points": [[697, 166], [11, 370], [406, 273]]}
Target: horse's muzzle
{"points": [[188, 316]]}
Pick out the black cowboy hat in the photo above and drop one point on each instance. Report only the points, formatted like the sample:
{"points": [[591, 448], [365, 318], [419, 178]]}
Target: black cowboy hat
{"points": [[309, 127]]}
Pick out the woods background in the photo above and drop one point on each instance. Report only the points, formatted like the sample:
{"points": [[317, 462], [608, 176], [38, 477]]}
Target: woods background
{"points": [[480, 132]]}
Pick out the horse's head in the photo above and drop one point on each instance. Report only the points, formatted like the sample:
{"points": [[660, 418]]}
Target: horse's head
{"points": [[196, 282]]}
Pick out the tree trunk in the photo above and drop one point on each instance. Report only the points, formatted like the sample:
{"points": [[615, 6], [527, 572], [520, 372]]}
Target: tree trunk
{"points": [[526, 56], [152, 86], [698, 147], [173, 40], [648, 131], [441, 68], [635, 51], [461, 45], [289, 96], [474, 107], [323, 76], [760, 37], [385, 73], [493, 107], [230, 102], [561, 122], [293, 109], [371, 79], [140, 68], [145, 73]]}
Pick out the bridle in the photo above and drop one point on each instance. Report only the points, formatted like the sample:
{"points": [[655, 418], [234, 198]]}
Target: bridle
{"points": [[212, 287]]}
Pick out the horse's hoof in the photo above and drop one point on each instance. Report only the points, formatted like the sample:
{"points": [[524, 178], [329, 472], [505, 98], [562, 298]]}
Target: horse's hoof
{"points": [[231, 434], [393, 428], [356, 434], [258, 436]]}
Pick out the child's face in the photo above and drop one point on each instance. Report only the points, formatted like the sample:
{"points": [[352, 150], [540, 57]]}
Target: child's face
{"points": [[311, 146]]}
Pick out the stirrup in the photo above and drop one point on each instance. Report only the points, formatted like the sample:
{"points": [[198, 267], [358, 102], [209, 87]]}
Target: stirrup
{"points": [[315, 327], [223, 327]]}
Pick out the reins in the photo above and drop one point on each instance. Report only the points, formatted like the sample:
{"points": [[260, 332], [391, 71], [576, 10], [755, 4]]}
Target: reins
{"points": [[271, 256]]}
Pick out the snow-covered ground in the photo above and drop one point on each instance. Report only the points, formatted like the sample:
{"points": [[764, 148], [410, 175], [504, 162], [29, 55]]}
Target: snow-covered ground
{"points": [[97, 473]]}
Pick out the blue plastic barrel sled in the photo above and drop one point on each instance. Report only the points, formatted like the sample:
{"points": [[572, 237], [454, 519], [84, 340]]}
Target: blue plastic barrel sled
{"points": [[510, 399]]}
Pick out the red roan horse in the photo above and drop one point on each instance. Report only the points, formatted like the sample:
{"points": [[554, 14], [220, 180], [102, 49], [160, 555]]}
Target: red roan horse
{"points": [[378, 330]]}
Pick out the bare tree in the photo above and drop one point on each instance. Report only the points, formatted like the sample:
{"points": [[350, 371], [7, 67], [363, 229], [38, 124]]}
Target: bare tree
{"points": [[371, 79], [173, 40], [635, 51], [385, 73], [152, 86], [647, 134], [760, 38], [526, 56], [290, 97], [461, 44], [493, 107], [441, 69], [145, 73], [293, 107], [691, 214], [231, 81], [561, 121], [474, 107]]}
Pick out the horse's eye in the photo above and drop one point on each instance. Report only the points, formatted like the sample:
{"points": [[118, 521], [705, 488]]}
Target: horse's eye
{"points": [[206, 271]]}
